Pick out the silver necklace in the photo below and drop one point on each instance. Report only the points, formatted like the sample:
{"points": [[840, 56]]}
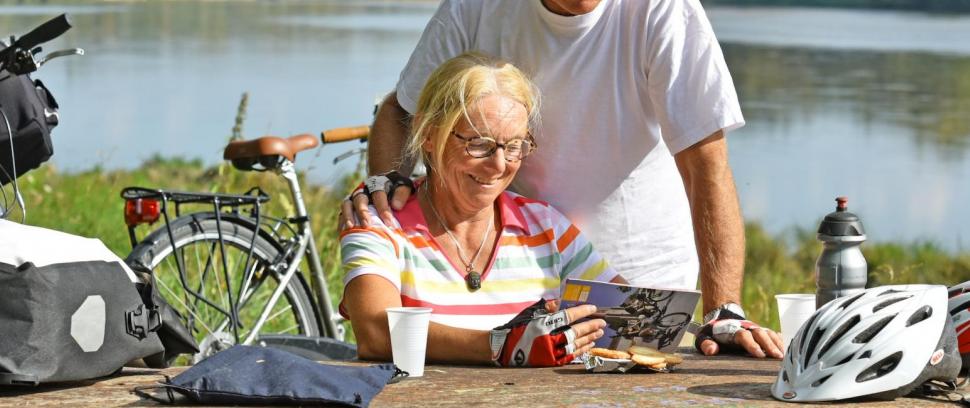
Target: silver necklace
{"points": [[473, 279]]}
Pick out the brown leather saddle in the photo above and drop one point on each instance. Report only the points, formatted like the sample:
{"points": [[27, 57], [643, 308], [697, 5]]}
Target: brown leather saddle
{"points": [[267, 152]]}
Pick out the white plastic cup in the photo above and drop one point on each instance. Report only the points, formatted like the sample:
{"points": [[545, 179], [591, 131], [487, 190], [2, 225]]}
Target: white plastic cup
{"points": [[794, 309], [409, 337]]}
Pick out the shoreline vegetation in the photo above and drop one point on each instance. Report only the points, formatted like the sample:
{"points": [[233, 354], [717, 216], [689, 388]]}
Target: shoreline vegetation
{"points": [[88, 203], [930, 6]]}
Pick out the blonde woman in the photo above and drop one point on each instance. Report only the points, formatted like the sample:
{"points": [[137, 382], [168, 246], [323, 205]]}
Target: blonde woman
{"points": [[489, 262]]}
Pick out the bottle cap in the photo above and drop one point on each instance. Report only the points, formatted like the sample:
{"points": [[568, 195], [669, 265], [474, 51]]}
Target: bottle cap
{"points": [[841, 222]]}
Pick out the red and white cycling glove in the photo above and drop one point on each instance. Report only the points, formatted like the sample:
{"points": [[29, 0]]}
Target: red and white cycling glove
{"points": [[534, 338]]}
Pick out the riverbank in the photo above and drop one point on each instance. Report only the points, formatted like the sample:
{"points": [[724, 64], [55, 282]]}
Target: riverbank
{"points": [[87, 203]]}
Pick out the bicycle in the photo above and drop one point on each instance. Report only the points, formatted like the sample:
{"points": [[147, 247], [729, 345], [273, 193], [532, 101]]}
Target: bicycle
{"points": [[219, 267], [28, 111], [644, 316]]}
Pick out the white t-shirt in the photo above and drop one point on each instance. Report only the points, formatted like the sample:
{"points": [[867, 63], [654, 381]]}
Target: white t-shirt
{"points": [[623, 87]]}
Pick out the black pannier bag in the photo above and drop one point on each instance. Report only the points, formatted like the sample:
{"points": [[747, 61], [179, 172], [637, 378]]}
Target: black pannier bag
{"points": [[69, 309], [31, 112]]}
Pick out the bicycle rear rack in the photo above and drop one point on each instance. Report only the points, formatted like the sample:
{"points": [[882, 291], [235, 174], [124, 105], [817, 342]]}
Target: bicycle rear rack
{"points": [[255, 197], [145, 199], [252, 196]]}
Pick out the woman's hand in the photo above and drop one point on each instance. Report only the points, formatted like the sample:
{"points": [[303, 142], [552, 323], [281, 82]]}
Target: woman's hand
{"points": [[538, 338]]}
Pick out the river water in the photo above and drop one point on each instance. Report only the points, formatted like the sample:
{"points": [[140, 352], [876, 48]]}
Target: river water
{"points": [[870, 104]]}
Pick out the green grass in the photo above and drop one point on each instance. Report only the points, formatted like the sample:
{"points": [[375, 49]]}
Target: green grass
{"points": [[786, 264], [88, 204]]}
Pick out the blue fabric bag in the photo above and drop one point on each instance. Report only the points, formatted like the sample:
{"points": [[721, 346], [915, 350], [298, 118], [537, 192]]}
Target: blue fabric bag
{"points": [[260, 375]]}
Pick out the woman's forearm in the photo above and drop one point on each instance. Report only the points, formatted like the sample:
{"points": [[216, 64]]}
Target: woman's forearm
{"points": [[448, 344]]}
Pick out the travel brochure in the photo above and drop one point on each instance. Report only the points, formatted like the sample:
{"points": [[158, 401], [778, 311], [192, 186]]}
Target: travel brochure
{"points": [[652, 317]]}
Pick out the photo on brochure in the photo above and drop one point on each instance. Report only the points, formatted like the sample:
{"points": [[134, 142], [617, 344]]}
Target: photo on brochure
{"points": [[652, 317]]}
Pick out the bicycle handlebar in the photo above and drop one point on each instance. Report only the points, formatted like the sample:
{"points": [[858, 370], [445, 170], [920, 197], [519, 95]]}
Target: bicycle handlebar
{"points": [[345, 134], [50, 30], [18, 57]]}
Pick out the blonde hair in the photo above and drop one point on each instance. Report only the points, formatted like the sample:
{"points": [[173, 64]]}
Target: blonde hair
{"points": [[455, 86]]}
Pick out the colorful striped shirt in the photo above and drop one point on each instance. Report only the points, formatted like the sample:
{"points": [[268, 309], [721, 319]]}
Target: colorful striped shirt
{"points": [[537, 250]]}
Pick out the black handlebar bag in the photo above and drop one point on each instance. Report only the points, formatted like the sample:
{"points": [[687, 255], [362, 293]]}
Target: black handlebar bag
{"points": [[69, 309], [31, 111]]}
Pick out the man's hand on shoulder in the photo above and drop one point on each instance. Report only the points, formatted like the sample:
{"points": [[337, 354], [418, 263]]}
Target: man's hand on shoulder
{"points": [[375, 191], [731, 331], [385, 151]]}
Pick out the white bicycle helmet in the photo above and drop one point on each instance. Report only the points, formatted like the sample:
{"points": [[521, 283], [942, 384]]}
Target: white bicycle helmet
{"points": [[881, 343], [959, 307]]}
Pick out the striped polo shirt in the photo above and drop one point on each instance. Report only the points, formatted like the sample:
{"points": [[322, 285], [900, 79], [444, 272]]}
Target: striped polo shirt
{"points": [[538, 249]]}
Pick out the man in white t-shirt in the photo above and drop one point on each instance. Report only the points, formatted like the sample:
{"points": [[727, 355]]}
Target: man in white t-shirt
{"points": [[636, 101]]}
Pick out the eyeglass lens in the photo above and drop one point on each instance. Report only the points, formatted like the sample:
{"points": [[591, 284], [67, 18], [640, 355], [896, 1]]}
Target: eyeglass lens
{"points": [[480, 147]]}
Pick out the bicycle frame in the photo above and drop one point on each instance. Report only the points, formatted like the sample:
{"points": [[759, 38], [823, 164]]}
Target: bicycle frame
{"points": [[292, 236], [302, 240], [305, 245], [253, 197]]}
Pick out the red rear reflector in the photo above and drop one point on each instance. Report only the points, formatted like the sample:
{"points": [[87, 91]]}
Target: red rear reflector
{"points": [[141, 211]]}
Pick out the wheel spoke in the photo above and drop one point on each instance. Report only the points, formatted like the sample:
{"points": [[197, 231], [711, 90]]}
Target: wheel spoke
{"points": [[245, 273], [276, 314], [185, 307], [210, 263], [201, 287], [191, 313], [289, 329]]}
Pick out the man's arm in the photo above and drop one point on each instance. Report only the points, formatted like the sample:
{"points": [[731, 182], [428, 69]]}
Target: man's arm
{"points": [[388, 139], [719, 236], [718, 227], [385, 152]]}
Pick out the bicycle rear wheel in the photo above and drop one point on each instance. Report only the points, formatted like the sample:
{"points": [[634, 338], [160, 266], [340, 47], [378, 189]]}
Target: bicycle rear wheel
{"points": [[674, 320], [218, 276]]}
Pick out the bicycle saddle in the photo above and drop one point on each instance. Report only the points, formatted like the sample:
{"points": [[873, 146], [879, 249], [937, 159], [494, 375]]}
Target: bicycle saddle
{"points": [[267, 150]]}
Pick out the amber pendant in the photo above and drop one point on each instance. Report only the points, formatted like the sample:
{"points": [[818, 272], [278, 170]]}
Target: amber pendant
{"points": [[473, 280]]}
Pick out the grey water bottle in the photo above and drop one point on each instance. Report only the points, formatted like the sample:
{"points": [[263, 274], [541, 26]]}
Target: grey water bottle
{"points": [[841, 269]]}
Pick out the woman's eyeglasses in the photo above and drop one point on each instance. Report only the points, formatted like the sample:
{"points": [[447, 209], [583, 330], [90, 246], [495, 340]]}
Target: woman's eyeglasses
{"points": [[481, 147]]}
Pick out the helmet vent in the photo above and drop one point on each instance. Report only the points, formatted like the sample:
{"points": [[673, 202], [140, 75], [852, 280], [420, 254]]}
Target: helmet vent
{"points": [[852, 300], [807, 326], [889, 292], [886, 303], [845, 327], [811, 346], [918, 316], [960, 308], [873, 330], [784, 375], [845, 360], [883, 367], [865, 354], [820, 381]]}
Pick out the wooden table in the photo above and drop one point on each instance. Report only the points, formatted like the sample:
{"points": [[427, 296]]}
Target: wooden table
{"points": [[699, 381]]}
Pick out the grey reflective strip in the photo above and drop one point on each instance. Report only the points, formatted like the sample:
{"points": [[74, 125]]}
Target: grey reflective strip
{"points": [[88, 323]]}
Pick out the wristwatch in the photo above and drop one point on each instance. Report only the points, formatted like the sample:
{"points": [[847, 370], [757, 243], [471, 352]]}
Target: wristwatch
{"points": [[727, 310]]}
